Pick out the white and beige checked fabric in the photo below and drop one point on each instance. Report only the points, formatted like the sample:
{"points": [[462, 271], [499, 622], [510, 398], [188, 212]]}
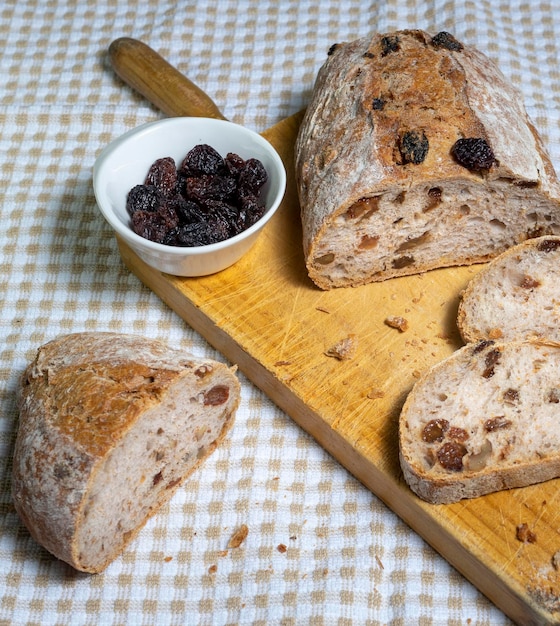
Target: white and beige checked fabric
{"points": [[320, 548]]}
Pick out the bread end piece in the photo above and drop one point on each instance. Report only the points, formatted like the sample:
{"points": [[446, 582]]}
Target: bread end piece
{"points": [[110, 426]]}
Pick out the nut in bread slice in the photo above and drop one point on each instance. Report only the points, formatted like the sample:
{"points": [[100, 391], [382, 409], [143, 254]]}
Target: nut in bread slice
{"points": [[110, 426], [483, 420]]}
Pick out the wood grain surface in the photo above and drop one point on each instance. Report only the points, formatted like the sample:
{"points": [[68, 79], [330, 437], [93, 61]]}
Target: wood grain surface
{"points": [[265, 315]]}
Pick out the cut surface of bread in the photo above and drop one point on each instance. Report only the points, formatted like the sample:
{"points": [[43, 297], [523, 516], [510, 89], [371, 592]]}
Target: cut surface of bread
{"points": [[416, 153], [516, 296], [483, 420], [110, 425]]}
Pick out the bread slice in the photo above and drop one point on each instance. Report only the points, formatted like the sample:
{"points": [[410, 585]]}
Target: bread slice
{"points": [[110, 426], [485, 419], [516, 296], [416, 153]]}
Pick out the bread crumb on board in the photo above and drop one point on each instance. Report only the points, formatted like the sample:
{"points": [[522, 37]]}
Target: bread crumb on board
{"points": [[344, 349], [398, 322], [524, 534], [238, 536]]}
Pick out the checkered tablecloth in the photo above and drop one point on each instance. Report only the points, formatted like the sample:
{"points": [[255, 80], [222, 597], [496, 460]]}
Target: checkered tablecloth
{"points": [[320, 548]]}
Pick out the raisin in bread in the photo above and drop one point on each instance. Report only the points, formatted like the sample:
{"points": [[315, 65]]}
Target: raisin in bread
{"points": [[416, 153], [483, 420], [515, 296], [110, 426]]}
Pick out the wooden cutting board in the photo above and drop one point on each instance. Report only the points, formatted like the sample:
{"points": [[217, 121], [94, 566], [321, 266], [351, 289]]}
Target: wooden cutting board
{"points": [[265, 315]]}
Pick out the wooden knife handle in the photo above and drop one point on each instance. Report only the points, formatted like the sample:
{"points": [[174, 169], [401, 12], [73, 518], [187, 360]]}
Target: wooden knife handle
{"points": [[160, 83]]}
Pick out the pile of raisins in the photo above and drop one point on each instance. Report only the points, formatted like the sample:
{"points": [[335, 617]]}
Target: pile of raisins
{"points": [[207, 199]]}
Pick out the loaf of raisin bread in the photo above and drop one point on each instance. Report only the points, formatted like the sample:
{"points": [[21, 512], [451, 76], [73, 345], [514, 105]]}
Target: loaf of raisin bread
{"points": [[485, 419], [416, 153], [515, 295], [110, 426]]}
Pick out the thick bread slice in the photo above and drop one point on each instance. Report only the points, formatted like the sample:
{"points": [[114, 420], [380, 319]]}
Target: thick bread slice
{"points": [[483, 420], [110, 426], [384, 188], [516, 296]]}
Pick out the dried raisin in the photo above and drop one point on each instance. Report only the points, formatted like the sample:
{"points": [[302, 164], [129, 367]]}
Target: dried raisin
{"points": [[496, 423], [450, 456], [435, 430], [209, 187], [151, 225], [492, 358], [474, 153], [163, 176], [216, 396], [402, 262], [482, 345], [252, 176], [528, 282], [548, 245], [187, 210], [413, 146], [457, 434], [199, 234], [253, 210], [144, 198], [511, 396], [202, 159], [234, 164], [389, 44], [446, 40]]}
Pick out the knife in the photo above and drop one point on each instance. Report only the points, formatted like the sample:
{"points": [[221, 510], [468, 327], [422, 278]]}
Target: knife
{"points": [[143, 69]]}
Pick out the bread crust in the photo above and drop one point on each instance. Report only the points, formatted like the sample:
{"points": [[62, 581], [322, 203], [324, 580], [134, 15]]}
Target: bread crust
{"points": [[483, 420], [368, 211], [80, 399], [515, 296]]}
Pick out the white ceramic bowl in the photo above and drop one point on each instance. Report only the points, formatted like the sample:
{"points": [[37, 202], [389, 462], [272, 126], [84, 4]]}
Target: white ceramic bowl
{"points": [[124, 163]]}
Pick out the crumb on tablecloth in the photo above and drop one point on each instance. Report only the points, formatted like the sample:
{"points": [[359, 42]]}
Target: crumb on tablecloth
{"points": [[238, 536]]}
